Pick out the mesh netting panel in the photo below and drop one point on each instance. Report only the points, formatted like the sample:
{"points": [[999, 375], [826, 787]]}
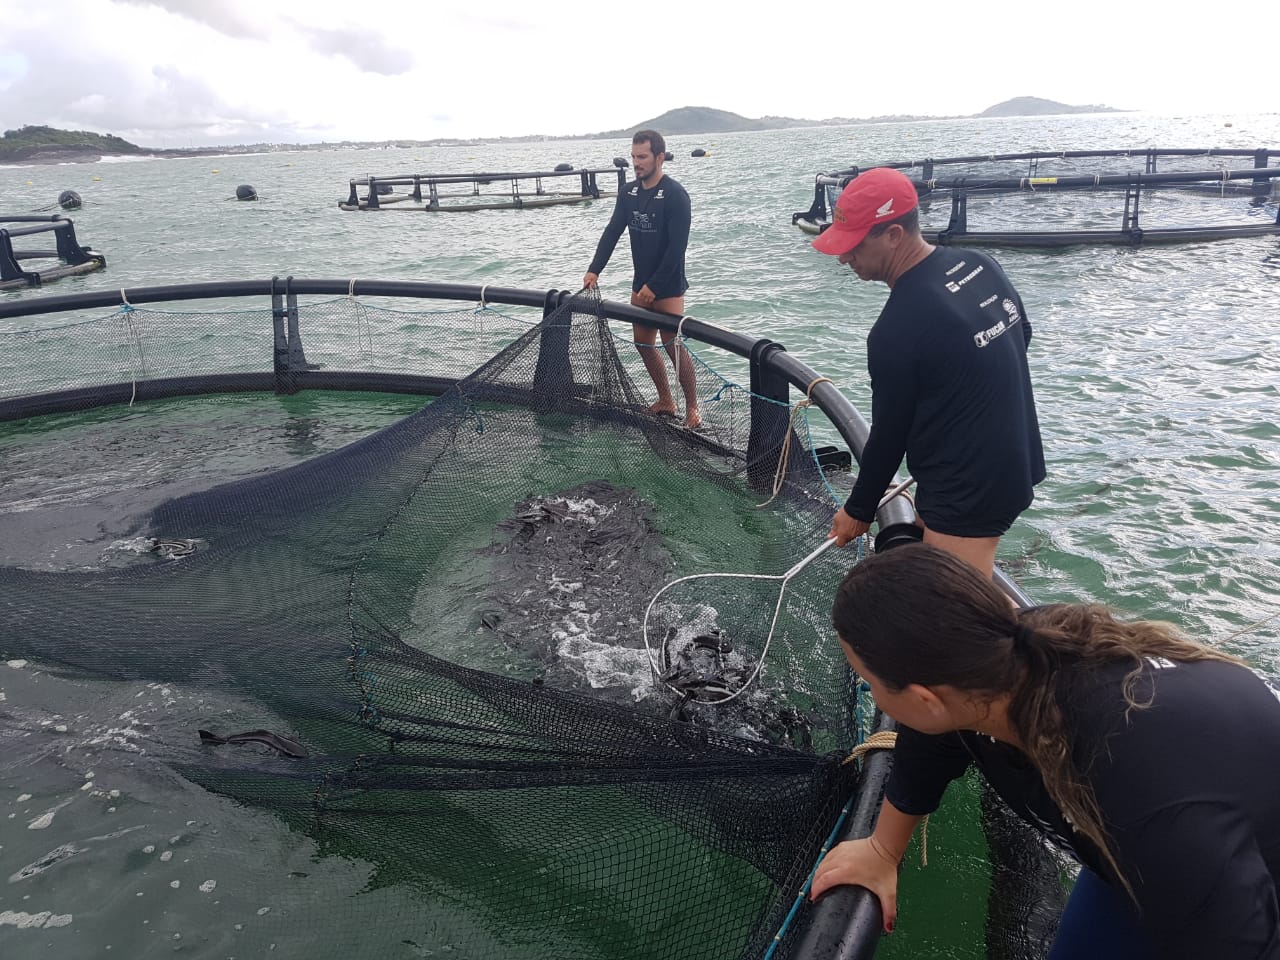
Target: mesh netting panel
{"points": [[445, 615]]}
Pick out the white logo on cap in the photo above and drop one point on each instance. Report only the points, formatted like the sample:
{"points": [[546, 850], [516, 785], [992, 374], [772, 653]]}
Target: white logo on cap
{"points": [[885, 208]]}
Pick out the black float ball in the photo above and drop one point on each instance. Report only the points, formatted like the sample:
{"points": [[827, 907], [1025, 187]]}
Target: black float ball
{"points": [[563, 167], [246, 192], [698, 153], [668, 155], [620, 163], [69, 200]]}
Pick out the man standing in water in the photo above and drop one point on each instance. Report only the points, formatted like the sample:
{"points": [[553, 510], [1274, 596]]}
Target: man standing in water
{"points": [[950, 387], [655, 210]]}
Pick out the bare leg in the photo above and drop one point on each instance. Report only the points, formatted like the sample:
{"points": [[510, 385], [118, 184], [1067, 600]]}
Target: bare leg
{"points": [[646, 340], [980, 552], [682, 361]]}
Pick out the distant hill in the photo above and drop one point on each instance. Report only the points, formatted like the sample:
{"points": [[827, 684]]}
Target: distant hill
{"points": [[1036, 107], [704, 120]]}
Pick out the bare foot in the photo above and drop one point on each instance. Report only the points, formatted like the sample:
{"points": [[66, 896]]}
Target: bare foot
{"points": [[661, 409], [692, 418]]}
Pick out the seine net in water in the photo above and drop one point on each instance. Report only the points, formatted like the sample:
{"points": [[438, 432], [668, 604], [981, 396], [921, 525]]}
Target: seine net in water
{"points": [[484, 742]]}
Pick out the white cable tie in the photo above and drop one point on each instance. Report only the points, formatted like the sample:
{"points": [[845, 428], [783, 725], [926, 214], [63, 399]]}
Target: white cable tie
{"points": [[483, 305], [351, 289]]}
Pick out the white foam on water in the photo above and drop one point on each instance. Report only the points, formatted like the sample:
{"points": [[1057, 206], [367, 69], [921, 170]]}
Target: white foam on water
{"points": [[33, 921], [43, 821], [586, 510], [601, 664], [208, 885], [16, 664]]}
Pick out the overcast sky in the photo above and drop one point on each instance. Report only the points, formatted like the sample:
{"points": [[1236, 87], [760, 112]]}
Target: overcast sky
{"points": [[194, 72]]}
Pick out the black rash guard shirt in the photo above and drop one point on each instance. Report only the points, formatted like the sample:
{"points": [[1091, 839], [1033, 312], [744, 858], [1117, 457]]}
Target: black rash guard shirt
{"points": [[658, 220], [1189, 790], [950, 388]]}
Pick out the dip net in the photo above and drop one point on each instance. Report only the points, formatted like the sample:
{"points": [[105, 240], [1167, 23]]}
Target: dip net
{"points": [[422, 653]]}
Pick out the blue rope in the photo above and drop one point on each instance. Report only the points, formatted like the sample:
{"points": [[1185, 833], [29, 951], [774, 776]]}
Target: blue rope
{"points": [[804, 890], [859, 688]]}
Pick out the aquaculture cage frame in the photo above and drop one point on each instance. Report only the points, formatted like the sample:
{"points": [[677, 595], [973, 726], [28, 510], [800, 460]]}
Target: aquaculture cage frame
{"points": [[380, 190], [74, 258], [1258, 181]]}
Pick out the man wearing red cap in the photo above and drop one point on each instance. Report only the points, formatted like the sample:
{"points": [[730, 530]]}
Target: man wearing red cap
{"points": [[655, 211], [950, 387]]}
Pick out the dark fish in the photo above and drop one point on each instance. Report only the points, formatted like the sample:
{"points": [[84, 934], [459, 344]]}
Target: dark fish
{"points": [[286, 745], [173, 548]]}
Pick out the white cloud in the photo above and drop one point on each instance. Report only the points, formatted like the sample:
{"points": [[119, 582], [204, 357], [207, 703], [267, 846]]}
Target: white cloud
{"points": [[178, 72]]}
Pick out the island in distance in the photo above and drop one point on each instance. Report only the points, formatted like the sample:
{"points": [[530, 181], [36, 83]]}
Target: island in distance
{"points": [[43, 144], [704, 120]]}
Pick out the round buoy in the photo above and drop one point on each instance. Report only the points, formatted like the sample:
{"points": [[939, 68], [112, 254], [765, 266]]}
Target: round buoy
{"points": [[668, 155], [246, 192], [563, 167], [698, 153], [620, 163], [1226, 124], [69, 200]]}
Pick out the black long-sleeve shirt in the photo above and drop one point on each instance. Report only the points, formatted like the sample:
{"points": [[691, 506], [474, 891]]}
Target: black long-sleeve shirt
{"points": [[658, 220], [1189, 790], [950, 389]]}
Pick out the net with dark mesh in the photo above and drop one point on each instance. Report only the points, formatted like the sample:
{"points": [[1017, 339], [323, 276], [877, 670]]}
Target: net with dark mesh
{"points": [[444, 617]]}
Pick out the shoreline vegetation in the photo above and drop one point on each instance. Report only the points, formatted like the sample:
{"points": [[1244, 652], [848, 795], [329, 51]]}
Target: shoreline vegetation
{"points": [[43, 144]]}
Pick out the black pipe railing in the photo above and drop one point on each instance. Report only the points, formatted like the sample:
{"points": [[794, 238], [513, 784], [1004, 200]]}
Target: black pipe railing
{"points": [[1150, 157], [1262, 180]]}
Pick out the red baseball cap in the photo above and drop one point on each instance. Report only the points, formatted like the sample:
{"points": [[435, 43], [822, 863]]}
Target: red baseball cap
{"points": [[879, 195]]}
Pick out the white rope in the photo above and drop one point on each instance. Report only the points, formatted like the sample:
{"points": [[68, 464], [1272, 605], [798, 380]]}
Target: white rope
{"points": [[364, 329], [135, 340], [1250, 628]]}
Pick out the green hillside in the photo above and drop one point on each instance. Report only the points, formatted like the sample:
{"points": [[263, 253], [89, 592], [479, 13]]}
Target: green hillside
{"points": [[31, 140]]}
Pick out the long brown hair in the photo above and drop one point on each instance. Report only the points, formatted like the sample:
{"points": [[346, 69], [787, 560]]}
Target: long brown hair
{"points": [[919, 615]]}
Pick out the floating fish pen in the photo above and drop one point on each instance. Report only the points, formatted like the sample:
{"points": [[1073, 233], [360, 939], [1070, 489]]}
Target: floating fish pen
{"points": [[459, 192], [1082, 197], [67, 258], [386, 688]]}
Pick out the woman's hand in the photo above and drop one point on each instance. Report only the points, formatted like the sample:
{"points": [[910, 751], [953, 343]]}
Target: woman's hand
{"points": [[865, 863]]}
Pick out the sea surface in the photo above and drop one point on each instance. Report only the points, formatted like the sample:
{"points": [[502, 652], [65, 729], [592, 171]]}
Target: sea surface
{"points": [[1156, 369]]}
